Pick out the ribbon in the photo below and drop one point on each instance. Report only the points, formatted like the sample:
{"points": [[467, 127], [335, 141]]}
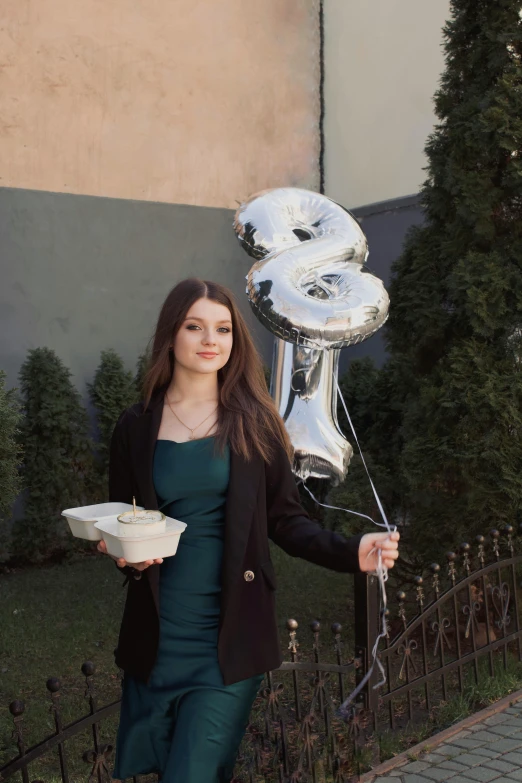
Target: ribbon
{"points": [[381, 572]]}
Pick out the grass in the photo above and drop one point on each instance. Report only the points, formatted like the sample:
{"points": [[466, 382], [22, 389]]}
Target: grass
{"points": [[55, 617], [475, 696]]}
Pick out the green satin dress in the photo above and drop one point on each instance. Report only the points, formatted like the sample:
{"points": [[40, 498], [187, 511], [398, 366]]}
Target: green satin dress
{"points": [[185, 724]]}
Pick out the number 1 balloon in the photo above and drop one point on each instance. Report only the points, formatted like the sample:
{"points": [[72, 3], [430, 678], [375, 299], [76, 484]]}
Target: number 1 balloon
{"points": [[310, 288]]}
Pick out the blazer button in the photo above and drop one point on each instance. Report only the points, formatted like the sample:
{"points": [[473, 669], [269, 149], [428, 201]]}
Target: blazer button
{"points": [[249, 575]]}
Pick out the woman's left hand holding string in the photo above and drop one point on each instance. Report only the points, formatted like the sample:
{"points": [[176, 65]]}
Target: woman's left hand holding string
{"points": [[387, 543]]}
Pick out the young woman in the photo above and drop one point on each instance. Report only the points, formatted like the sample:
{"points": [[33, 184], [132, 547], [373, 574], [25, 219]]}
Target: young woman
{"points": [[199, 630]]}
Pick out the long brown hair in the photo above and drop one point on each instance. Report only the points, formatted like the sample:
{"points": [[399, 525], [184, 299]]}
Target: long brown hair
{"points": [[248, 419]]}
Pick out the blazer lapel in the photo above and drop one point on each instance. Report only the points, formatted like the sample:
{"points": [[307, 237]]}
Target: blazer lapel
{"points": [[146, 429], [239, 510], [145, 435]]}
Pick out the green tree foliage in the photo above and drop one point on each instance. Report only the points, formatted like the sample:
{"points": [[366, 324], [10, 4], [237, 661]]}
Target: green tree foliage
{"points": [[10, 457], [141, 370], [447, 424], [57, 460], [112, 390]]}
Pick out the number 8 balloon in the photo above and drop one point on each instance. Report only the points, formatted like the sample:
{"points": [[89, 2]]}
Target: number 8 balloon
{"points": [[310, 288]]}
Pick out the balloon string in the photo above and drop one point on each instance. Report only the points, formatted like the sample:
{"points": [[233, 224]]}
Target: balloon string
{"points": [[390, 528], [348, 510], [381, 572]]}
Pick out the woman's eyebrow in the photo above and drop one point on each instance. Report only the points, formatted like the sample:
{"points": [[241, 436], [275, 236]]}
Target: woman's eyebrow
{"points": [[195, 318]]}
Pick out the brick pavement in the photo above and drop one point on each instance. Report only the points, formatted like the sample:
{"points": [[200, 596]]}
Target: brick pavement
{"points": [[490, 750]]}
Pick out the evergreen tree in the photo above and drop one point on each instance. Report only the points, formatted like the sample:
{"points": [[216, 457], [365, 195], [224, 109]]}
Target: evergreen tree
{"points": [[459, 285], [141, 371], [449, 424], [113, 390], [10, 457], [57, 462]]}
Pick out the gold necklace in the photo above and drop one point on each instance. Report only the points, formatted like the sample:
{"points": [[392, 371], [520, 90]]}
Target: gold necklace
{"points": [[192, 429]]}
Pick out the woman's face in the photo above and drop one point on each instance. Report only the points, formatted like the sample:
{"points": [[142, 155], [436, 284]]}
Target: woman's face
{"points": [[204, 340]]}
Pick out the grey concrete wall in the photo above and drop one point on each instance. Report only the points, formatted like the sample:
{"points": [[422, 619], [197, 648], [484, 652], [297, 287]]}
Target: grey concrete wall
{"points": [[386, 225], [81, 274]]}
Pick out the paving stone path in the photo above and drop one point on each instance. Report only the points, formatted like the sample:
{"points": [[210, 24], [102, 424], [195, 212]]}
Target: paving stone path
{"points": [[487, 751]]}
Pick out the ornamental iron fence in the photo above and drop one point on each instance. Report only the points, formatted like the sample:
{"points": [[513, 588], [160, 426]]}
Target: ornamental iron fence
{"points": [[437, 634]]}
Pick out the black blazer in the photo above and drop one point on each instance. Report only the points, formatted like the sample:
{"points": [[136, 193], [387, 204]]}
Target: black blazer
{"points": [[262, 502]]}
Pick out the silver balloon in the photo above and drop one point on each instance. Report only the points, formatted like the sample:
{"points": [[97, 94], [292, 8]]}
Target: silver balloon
{"points": [[309, 287], [303, 387]]}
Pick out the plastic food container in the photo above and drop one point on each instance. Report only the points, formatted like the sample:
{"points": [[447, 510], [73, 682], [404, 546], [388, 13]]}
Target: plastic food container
{"points": [[136, 549], [82, 519]]}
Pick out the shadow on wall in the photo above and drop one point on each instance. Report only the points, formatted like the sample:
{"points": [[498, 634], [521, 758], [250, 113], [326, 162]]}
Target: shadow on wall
{"points": [[385, 225]]}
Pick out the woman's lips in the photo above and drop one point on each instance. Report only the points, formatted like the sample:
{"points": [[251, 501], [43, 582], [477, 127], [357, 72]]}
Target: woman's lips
{"points": [[207, 355]]}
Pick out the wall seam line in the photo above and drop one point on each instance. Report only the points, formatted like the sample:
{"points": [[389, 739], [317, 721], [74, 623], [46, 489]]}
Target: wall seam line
{"points": [[321, 97]]}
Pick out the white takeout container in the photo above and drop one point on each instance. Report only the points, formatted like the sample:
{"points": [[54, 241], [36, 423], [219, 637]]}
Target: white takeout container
{"points": [[136, 549], [82, 519]]}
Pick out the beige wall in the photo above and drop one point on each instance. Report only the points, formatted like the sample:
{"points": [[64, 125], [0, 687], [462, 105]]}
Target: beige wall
{"points": [[383, 60], [187, 101]]}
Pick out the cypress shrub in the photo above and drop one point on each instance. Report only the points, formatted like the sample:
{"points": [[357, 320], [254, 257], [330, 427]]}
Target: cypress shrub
{"points": [[141, 370], [57, 460], [458, 290], [10, 457], [446, 423], [112, 390]]}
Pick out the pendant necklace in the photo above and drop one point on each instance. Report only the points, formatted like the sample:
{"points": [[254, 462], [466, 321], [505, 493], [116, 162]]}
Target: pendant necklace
{"points": [[191, 429]]}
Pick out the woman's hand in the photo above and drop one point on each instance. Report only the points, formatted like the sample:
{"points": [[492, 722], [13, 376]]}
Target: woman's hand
{"points": [[102, 547], [386, 542]]}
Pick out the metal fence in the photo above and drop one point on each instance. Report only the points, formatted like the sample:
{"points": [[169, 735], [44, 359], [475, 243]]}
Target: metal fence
{"points": [[438, 633]]}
